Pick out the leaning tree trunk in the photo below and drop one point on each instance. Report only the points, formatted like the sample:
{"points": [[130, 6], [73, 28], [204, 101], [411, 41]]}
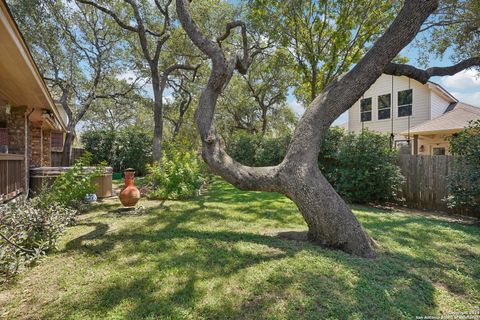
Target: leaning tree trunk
{"points": [[330, 221]]}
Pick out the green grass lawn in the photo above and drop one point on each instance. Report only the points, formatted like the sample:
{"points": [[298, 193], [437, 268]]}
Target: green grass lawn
{"points": [[217, 257]]}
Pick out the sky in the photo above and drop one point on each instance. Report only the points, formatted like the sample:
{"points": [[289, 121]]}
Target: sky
{"points": [[465, 85]]}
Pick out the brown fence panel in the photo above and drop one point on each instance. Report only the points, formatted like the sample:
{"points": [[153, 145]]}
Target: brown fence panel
{"points": [[426, 184], [12, 173]]}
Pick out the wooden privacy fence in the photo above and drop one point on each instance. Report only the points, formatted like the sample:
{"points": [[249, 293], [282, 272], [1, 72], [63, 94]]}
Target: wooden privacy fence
{"points": [[12, 172], [426, 184], [57, 157]]}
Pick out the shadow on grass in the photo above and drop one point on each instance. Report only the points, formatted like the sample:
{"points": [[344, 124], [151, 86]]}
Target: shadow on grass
{"points": [[178, 268]]}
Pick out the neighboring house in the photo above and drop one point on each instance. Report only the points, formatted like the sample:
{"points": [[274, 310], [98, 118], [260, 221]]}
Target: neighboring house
{"points": [[31, 125], [406, 109], [429, 138]]}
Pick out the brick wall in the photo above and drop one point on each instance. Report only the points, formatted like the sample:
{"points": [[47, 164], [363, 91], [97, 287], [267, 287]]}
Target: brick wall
{"points": [[35, 144], [47, 150], [16, 130]]}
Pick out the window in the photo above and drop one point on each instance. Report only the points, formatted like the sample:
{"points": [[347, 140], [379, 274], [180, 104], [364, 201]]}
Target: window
{"points": [[57, 141], [405, 103], [366, 109], [384, 106], [438, 151]]}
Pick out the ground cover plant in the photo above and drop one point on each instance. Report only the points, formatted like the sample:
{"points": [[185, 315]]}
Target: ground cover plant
{"points": [[218, 257]]}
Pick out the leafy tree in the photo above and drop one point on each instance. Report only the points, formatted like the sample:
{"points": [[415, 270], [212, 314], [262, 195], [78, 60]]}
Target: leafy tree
{"points": [[268, 82], [330, 221], [101, 145], [255, 103], [177, 110], [324, 37], [79, 54], [454, 28], [154, 26], [119, 112]]}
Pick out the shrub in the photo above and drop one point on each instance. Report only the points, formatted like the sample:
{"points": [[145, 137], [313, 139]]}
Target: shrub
{"points": [[258, 151], [130, 147], [464, 182], [28, 229], [71, 187], [361, 167], [101, 144], [179, 176], [328, 155]]}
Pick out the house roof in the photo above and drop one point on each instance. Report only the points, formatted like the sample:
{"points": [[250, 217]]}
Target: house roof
{"points": [[442, 91], [453, 120], [21, 83]]}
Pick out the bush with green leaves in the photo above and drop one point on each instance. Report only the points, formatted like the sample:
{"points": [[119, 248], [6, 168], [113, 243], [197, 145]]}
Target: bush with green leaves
{"points": [[361, 167], [258, 151], [180, 175], [464, 181], [71, 187], [129, 147], [101, 144], [28, 229]]}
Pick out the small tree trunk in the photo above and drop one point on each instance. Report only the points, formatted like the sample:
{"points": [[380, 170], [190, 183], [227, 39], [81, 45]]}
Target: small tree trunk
{"points": [[157, 117], [330, 221], [157, 133], [264, 121]]}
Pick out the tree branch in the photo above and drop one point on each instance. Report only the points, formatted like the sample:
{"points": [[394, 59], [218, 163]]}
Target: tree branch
{"points": [[228, 28], [178, 66], [119, 21], [397, 69]]}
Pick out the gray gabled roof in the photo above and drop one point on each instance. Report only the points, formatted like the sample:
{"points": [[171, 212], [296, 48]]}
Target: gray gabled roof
{"points": [[453, 120]]}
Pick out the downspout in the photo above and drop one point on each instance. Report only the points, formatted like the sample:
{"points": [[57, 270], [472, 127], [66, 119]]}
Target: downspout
{"points": [[27, 169]]}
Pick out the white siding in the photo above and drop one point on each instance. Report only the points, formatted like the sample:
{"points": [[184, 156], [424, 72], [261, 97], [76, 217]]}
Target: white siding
{"points": [[420, 109], [439, 104]]}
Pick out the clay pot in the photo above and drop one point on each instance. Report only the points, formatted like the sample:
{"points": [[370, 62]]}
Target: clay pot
{"points": [[130, 194]]}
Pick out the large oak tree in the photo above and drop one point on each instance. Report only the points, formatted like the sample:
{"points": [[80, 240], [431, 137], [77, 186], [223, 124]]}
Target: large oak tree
{"points": [[330, 221]]}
